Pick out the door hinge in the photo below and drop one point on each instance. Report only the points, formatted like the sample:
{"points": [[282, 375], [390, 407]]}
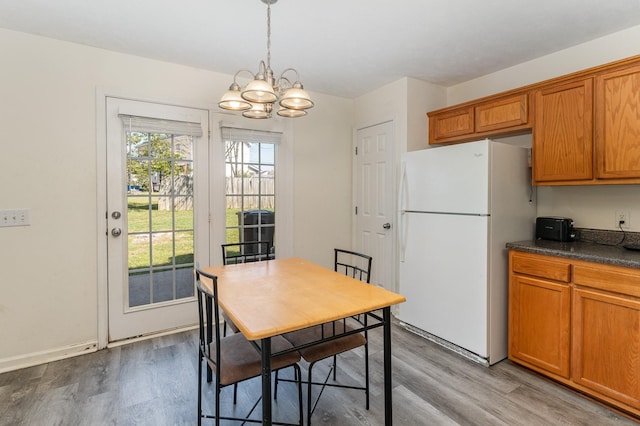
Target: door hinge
{"points": [[356, 150], [356, 210]]}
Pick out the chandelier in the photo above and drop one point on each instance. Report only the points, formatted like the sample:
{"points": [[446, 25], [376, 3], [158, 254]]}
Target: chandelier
{"points": [[259, 97]]}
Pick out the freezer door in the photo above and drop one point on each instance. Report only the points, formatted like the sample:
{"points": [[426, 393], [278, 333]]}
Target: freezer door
{"points": [[447, 179], [443, 275]]}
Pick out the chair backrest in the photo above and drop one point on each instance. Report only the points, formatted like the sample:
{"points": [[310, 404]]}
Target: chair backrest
{"points": [[208, 313], [353, 264], [248, 251]]}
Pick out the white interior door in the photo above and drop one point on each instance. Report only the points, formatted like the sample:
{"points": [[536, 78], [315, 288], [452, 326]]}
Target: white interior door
{"points": [[157, 214], [375, 200]]}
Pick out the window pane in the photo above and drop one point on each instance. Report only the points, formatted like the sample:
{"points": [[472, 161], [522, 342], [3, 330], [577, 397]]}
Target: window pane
{"points": [[139, 254], [184, 248], [160, 146], [183, 213], [183, 178], [162, 248]]}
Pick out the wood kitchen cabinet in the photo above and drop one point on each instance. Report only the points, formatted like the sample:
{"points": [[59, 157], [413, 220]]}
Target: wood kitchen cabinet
{"points": [[500, 115], [585, 125], [606, 331], [539, 313], [578, 323], [451, 124], [617, 137], [586, 135], [563, 133]]}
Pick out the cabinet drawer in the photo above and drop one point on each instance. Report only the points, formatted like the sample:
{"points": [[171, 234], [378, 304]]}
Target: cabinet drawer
{"points": [[540, 266], [611, 278]]}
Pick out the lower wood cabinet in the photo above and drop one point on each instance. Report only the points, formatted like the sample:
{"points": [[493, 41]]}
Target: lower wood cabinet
{"points": [[606, 344], [578, 323], [539, 324]]}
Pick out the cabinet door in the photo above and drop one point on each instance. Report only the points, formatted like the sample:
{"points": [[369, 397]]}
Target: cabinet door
{"points": [[606, 345], [563, 133], [449, 124], [539, 321], [618, 124], [505, 113]]}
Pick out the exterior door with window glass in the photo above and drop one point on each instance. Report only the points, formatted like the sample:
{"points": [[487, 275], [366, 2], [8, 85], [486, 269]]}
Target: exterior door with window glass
{"points": [[157, 215], [250, 185]]}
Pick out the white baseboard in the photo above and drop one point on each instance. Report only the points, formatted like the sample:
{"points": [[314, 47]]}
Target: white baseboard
{"points": [[37, 358]]}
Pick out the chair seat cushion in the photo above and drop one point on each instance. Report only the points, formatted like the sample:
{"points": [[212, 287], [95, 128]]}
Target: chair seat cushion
{"points": [[239, 359], [325, 349]]}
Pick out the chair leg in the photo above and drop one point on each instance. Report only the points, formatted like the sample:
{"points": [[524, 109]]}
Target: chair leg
{"points": [[366, 373], [235, 393], [275, 387], [199, 388], [217, 402], [309, 394], [298, 377], [335, 366]]}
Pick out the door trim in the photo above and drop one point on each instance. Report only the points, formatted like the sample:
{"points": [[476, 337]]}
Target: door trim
{"points": [[102, 293]]}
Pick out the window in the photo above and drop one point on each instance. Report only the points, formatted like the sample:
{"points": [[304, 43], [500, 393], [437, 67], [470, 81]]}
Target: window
{"points": [[250, 176]]}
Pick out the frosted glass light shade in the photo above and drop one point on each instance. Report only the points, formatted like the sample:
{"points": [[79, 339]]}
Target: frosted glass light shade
{"points": [[296, 98], [232, 101], [291, 113], [259, 91], [258, 111]]}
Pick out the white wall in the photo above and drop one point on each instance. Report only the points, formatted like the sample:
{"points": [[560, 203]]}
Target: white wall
{"points": [[48, 271], [589, 206]]}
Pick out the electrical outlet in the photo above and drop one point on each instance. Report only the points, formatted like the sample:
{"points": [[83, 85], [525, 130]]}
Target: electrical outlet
{"points": [[623, 220]]}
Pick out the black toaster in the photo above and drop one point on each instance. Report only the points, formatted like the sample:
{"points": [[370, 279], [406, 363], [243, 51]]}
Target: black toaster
{"points": [[555, 229]]}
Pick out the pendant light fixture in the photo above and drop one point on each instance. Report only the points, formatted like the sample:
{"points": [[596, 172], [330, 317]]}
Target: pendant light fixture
{"points": [[258, 98]]}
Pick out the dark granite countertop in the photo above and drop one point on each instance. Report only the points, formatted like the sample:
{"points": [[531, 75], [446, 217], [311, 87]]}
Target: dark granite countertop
{"points": [[581, 250]]}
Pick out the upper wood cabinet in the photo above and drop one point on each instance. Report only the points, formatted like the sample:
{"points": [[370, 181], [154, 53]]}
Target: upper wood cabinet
{"points": [[497, 116], [563, 132], [505, 113], [451, 124], [617, 137], [585, 125]]}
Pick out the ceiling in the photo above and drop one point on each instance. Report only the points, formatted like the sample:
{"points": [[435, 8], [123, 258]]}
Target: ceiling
{"points": [[340, 47]]}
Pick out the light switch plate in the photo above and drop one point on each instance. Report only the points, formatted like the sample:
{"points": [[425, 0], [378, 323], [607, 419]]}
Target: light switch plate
{"points": [[17, 217]]}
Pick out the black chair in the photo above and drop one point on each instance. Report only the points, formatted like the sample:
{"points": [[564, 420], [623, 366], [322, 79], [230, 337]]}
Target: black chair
{"points": [[248, 251], [233, 359], [355, 265], [244, 252]]}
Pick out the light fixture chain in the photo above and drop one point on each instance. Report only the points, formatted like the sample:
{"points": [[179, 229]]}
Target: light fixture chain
{"points": [[268, 34]]}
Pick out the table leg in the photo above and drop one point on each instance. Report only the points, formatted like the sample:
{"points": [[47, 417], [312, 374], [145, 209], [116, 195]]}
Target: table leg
{"points": [[266, 381], [388, 418]]}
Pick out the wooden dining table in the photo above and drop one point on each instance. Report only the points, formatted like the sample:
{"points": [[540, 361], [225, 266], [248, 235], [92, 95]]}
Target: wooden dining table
{"points": [[269, 298]]}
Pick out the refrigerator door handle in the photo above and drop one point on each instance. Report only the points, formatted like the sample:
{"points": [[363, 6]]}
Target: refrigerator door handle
{"points": [[403, 228]]}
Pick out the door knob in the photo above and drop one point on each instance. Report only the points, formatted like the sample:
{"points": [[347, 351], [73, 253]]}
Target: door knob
{"points": [[116, 232], [387, 225]]}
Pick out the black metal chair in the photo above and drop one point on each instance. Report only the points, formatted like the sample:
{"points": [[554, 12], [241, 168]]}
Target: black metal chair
{"points": [[247, 251], [355, 265], [244, 252], [234, 359]]}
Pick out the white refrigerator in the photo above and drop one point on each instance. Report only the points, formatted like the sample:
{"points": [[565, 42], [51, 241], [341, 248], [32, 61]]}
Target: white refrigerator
{"points": [[459, 206]]}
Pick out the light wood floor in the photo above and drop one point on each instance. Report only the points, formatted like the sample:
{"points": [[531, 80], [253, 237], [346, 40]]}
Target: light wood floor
{"points": [[153, 382]]}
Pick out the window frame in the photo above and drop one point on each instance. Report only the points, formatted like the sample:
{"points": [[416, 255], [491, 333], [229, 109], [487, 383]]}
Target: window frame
{"points": [[283, 235]]}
